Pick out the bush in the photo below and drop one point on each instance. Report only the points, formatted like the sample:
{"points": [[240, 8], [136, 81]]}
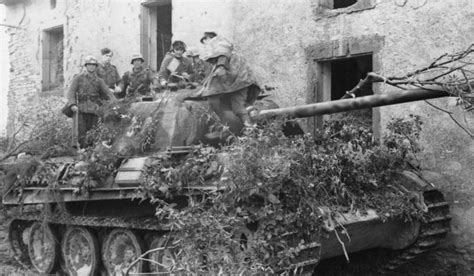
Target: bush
{"points": [[43, 130]]}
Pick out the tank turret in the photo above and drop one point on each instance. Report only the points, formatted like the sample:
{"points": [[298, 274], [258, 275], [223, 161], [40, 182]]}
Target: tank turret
{"points": [[178, 120]]}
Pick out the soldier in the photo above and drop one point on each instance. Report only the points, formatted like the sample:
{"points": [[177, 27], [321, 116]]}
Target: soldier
{"points": [[84, 97], [139, 81], [175, 68], [231, 86], [107, 71], [200, 67]]}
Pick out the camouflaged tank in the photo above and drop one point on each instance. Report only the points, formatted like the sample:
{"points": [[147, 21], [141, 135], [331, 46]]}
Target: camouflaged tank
{"points": [[106, 228]]}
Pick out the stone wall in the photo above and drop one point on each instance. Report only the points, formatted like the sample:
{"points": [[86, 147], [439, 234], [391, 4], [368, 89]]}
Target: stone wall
{"points": [[280, 38], [4, 75], [88, 26], [92, 25], [192, 18]]}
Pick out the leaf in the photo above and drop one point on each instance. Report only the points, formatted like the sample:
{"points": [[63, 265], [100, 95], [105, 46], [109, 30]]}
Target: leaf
{"points": [[163, 188], [273, 199]]}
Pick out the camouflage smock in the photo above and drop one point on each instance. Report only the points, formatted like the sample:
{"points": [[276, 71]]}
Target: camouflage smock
{"points": [[238, 73], [183, 65]]}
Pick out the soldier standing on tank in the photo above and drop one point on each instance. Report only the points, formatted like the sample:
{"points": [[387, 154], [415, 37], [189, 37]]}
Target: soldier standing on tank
{"points": [[139, 81], [107, 71], [175, 67], [85, 95]]}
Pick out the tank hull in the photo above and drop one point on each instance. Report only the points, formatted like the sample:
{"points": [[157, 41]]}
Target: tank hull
{"points": [[106, 209]]}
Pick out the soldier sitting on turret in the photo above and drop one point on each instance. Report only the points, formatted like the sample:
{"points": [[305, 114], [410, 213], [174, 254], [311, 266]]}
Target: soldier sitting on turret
{"points": [[140, 81], [85, 95], [231, 85], [175, 68]]}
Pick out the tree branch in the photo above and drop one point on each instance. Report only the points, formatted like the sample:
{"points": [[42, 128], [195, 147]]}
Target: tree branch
{"points": [[452, 118]]}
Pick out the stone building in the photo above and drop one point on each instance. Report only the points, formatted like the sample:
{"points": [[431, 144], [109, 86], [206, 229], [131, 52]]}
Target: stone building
{"points": [[299, 47]]}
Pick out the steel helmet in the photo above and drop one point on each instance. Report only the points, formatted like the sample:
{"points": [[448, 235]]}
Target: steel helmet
{"points": [[217, 46], [208, 35], [90, 60], [178, 44], [137, 56]]}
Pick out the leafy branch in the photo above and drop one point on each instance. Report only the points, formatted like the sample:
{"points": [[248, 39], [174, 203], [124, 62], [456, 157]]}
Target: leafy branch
{"points": [[275, 185]]}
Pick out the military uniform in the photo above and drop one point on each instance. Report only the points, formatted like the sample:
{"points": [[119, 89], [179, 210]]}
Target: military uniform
{"points": [[230, 92], [109, 73], [172, 65], [87, 92], [137, 82]]}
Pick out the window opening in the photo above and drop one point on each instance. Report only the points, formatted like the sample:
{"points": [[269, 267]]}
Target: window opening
{"points": [[336, 4], [339, 4], [53, 59], [52, 4], [345, 75], [335, 78]]}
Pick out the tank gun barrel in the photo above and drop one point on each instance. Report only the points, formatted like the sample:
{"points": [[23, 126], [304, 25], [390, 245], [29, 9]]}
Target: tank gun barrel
{"points": [[309, 110]]}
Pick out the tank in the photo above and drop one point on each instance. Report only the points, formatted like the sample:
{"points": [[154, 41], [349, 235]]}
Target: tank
{"points": [[107, 227]]}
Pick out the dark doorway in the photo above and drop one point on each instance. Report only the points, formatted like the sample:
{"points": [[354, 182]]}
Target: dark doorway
{"points": [[156, 31], [163, 31]]}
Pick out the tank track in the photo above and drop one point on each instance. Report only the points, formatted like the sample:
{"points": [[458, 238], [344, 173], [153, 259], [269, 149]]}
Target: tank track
{"points": [[432, 231], [92, 221]]}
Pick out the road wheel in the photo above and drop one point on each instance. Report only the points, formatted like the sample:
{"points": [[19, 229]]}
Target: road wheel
{"points": [[244, 238], [80, 252], [166, 256], [18, 238], [244, 241], [120, 248], [43, 248]]}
